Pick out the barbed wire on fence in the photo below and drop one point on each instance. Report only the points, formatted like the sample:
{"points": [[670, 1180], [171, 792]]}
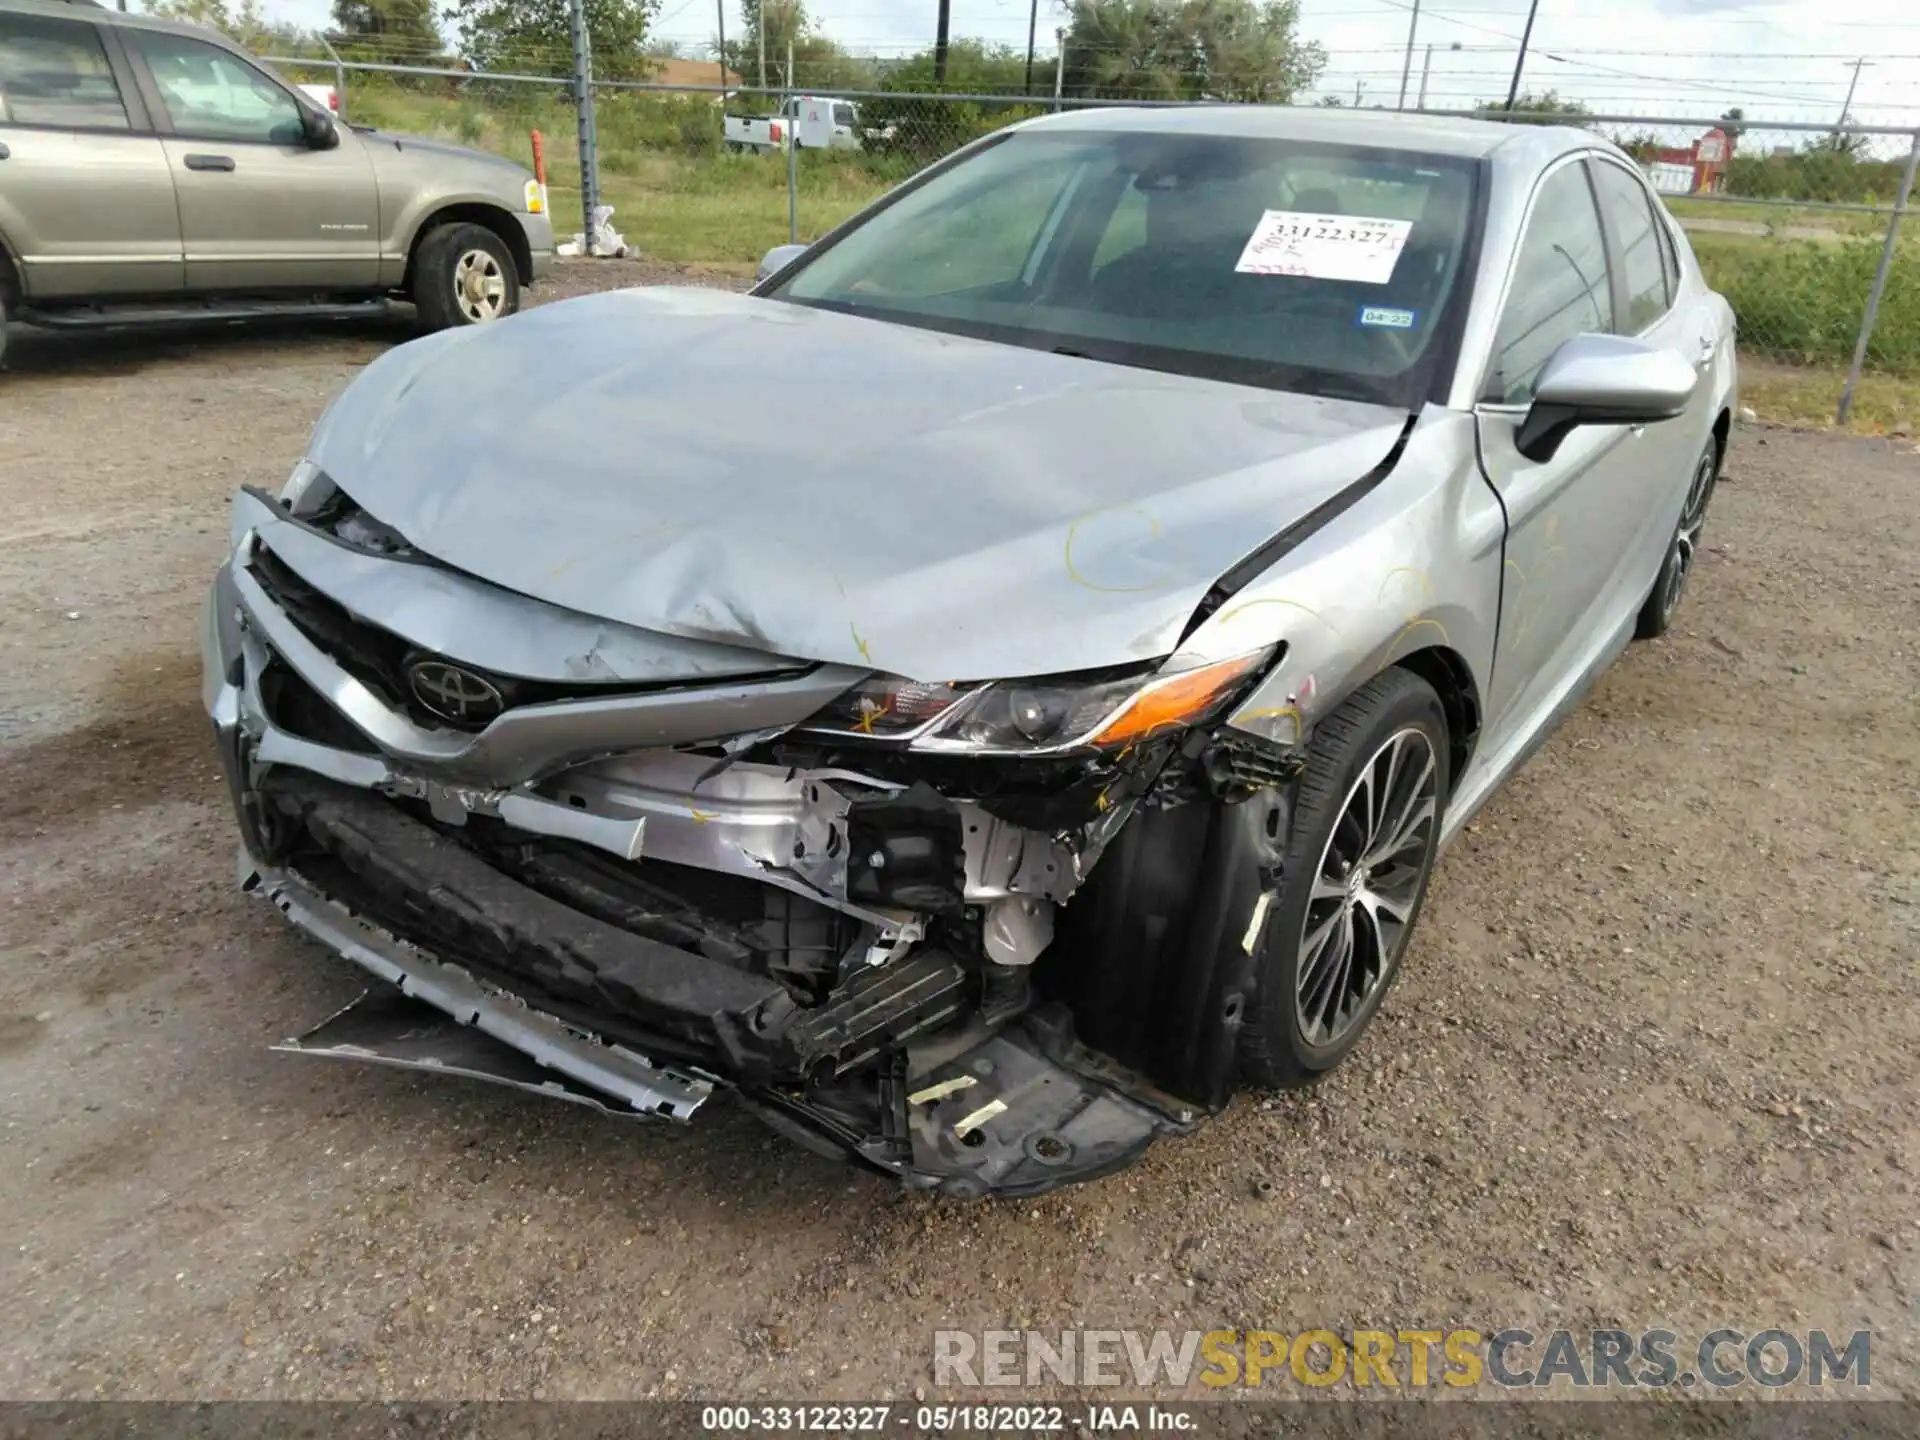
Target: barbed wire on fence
{"points": [[1796, 224]]}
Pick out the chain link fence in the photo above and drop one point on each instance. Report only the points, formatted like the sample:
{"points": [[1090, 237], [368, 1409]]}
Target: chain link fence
{"points": [[1797, 222]]}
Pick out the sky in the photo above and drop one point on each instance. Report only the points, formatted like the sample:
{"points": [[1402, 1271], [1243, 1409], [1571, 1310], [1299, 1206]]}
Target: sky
{"points": [[1777, 59]]}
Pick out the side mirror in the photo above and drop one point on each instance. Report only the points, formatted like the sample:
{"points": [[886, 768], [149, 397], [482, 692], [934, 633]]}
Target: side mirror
{"points": [[321, 132], [776, 260], [1602, 380]]}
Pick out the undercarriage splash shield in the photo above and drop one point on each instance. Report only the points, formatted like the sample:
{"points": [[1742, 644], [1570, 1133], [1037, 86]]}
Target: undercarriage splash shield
{"points": [[385, 1027]]}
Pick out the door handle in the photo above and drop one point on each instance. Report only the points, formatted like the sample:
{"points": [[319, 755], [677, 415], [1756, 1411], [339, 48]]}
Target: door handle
{"points": [[209, 162]]}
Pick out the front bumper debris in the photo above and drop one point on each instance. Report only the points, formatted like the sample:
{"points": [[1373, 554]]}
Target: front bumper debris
{"points": [[631, 898]]}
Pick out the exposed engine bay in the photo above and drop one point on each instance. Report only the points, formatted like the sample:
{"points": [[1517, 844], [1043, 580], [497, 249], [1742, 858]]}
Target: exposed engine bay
{"points": [[632, 869]]}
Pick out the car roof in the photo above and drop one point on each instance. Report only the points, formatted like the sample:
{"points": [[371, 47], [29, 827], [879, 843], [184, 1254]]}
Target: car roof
{"points": [[1382, 129], [100, 15]]}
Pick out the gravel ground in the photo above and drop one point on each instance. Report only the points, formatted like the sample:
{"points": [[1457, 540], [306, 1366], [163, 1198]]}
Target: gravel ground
{"points": [[1650, 1062]]}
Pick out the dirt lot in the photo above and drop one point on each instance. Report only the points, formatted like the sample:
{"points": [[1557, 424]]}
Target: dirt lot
{"points": [[1651, 1062]]}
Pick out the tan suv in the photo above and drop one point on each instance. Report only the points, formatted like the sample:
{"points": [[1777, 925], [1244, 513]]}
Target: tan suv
{"points": [[154, 171]]}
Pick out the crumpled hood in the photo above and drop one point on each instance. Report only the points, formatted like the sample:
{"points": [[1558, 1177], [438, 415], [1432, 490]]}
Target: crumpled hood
{"points": [[833, 488]]}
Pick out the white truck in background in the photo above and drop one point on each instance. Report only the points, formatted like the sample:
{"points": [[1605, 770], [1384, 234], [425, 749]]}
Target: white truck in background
{"points": [[813, 122]]}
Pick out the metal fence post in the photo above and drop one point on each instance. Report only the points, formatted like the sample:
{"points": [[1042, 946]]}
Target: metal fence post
{"points": [[1879, 286], [793, 156], [339, 80], [583, 111]]}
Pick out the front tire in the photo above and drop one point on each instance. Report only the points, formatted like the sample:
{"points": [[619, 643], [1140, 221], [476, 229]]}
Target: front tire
{"points": [[1656, 615], [1365, 833], [463, 274]]}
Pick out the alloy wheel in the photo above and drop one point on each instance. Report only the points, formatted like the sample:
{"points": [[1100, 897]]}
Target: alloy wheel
{"points": [[479, 287], [1686, 536], [1366, 886]]}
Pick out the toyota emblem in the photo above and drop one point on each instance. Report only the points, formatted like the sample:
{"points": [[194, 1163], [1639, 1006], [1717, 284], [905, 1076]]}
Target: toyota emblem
{"points": [[455, 695]]}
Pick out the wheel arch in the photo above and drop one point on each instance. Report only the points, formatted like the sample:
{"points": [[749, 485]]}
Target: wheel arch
{"points": [[490, 216], [1447, 671], [1722, 434], [12, 282]]}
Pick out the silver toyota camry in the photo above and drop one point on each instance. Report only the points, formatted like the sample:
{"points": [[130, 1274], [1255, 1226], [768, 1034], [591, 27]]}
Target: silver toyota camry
{"points": [[1000, 686]]}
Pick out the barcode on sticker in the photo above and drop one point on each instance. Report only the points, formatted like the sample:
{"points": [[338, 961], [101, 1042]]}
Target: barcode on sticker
{"points": [[1382, 316]]}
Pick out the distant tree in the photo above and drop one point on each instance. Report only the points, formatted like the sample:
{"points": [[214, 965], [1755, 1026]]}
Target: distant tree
{"points": [[818, 63], [533, 35], [1330, 102], [391, 32], [1642, 145], [1189, 50], [246, 23], [1546, 108], [1839, 145], [1734, 122]]}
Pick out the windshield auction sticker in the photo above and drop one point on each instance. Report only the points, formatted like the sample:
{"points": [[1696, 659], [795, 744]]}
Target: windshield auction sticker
{"points": [[1325, 247]]}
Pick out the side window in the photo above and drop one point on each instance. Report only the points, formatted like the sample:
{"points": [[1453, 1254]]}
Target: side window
{"points": [[843, 115], [1670, 259], [1559, 286], [1643, 265], [211, 94], [55, 72]]}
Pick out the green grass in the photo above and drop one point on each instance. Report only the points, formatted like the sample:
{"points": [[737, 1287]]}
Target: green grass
{"points": [[679, 197]]}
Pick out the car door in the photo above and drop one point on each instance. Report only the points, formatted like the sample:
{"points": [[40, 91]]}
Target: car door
{"points": [[86, 201], [261, 208], [1572, 521]]}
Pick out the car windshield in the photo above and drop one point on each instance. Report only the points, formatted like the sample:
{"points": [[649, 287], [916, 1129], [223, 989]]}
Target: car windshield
{"points": [[1326, 269]]}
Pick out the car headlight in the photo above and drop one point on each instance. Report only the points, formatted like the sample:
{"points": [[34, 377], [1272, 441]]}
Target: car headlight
{"points": [[536, 198], [1036, 716]]}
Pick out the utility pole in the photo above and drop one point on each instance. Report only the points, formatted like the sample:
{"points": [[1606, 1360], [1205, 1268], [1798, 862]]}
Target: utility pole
{"points": [[1406, 67], [1358, 86], [720, 15], [1426, 69], [1033, 20], [1513, 90], [760, 32], [1852, 84], [1059, 67], [940, 42]]}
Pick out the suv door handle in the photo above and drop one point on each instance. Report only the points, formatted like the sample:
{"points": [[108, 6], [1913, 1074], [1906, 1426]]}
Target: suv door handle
{"points": [[209, 162]]}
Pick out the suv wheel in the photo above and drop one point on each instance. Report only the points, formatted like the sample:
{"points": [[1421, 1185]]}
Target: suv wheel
{"points": [[1365, 832], [463, 274]]}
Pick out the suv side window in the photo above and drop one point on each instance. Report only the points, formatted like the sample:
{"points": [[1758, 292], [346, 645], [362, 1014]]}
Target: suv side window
{"points": [[1559, 287], [211, 94], [1641, 263], [55, 72]]}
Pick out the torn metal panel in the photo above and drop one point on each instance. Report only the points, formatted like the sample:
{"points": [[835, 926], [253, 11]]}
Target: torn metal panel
{"points": [[1094, 504], [533, 740], [444, 612]]}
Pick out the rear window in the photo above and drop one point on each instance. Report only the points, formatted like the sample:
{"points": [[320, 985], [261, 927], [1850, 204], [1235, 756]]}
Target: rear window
{"points": [[54, 72], [1325, 269]]}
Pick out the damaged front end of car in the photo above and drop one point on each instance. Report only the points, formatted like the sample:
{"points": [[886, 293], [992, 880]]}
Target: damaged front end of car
{"points": [[987, 937]]}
